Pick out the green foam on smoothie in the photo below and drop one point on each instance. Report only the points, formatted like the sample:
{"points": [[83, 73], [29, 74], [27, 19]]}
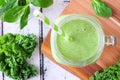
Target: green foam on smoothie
{"points": [[85, 40]]}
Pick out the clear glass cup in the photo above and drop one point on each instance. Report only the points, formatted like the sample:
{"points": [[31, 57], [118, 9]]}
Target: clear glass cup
{"points": [[103, 40]]}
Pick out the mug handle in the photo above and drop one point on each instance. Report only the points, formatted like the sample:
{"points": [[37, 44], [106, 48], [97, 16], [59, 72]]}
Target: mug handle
{"points": [[110, 40]]}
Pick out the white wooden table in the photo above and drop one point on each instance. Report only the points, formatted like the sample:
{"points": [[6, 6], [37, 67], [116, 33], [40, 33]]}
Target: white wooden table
{"points": [[51, 70]]}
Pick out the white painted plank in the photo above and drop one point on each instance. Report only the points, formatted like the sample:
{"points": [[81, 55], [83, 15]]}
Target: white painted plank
{"points": [[53, 12], [54, 72], [1, 77], [32, 27]]}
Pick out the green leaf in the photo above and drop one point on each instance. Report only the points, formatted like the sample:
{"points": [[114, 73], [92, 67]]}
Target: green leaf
{"points": [[14, 52], [2, 2], [110, 73], [92, 78], [97, 75], [42, 3], [21, 2], [101, 8], [13, 14], [6, 7], [24, 18]]}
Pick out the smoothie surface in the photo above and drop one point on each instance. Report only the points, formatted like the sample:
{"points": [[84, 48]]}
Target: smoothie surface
{"points": [[85, 40]]}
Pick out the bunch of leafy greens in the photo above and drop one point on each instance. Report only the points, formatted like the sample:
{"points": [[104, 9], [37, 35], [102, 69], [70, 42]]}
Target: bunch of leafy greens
{"points": [[110, 73], [14, 10], [101, 8], [14, 50]]}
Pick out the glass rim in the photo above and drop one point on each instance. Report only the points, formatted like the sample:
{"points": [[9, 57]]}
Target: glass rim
{"points": [[95, 22]]}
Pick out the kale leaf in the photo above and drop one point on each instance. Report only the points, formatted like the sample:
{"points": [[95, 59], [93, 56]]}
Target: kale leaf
{"points": [[110, 73], [14, 50]]}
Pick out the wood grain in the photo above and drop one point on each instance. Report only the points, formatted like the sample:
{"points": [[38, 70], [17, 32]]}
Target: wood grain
{"points": [[110, 54]]}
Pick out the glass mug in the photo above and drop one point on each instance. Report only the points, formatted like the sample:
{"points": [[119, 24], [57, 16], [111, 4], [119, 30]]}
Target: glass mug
{"points": [[102, 41]]}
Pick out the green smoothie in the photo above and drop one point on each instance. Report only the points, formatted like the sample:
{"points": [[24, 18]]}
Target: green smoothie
{"points": [[85, 40]]}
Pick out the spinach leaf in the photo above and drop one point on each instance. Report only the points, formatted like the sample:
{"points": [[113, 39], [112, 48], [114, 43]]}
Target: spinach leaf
{"points": [[42, 3], [9, 4], [13, 10], [2, 2], [101, 8], [21, 2], [24, 18], [14, 13]]}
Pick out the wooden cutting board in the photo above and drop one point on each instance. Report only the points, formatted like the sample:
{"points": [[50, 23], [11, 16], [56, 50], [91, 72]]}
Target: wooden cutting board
{"points": [[111, 26]]}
